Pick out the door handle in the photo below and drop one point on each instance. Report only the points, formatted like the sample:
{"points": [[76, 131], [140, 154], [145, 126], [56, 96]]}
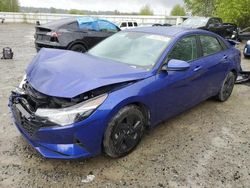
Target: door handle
{"points": [[197, 68], [225, 57]]}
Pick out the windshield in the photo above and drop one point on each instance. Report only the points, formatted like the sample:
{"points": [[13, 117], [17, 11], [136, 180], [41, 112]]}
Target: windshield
{"points": [[195, 22], [133, 48]]}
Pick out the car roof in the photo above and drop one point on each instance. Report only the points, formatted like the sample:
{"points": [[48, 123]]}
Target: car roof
{"points": [[58, 23], [166, 31]]}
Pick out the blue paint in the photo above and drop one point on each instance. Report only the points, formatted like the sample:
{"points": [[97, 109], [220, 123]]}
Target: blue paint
{"points": [[164, 93]]}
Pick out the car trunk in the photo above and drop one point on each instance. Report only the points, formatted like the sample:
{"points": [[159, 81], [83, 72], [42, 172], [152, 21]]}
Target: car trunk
{"points": [[43, 34]]}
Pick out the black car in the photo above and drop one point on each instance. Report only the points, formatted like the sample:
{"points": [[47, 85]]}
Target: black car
{"points": [[244, 34], [213, 24], [77, 34]]}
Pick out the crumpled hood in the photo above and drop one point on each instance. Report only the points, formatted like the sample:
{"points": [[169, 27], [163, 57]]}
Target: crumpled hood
{"points": [[63, 73]]}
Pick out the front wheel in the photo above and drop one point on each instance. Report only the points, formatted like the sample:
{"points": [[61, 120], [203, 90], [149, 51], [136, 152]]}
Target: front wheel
{"points": [[124, 131], [227, 87]]}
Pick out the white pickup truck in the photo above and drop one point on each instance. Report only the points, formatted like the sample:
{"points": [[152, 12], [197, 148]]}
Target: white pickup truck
{"points": [[128, 25]]}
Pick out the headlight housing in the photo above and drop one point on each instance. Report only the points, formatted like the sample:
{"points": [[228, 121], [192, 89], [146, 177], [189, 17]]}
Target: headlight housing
{"points": [[72, 114], [19, 89], [24, 80]]}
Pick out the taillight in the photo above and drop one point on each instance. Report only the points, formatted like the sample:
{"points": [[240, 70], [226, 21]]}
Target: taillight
{"points": [[54, 36]]}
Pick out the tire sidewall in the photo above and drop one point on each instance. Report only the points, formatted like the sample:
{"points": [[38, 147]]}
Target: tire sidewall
{"points": [[75, 46], [108, 146], [221, 96]]}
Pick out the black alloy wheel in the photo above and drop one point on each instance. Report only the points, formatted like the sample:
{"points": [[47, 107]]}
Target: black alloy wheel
{"points": [[227, 87], [78, 48], [124, 131]]}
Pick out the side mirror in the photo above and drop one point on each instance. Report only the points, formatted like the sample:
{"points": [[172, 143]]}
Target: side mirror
{"points": [[176, 65]]}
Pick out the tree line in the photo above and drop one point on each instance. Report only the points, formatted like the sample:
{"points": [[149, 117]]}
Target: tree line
{"points": [[9, 6], [233, 11]]}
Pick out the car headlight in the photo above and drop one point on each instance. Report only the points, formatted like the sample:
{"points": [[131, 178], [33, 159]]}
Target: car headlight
{"points": [[19, 89], [24, 80], [72, 114]]}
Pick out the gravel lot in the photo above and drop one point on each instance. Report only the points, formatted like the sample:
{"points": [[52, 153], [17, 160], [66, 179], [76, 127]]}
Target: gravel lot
{"points": [[207, 146]]}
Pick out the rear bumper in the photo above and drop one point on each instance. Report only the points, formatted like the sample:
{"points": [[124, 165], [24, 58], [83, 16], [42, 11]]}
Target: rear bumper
{"points": [[41, 44], [79, 140]]}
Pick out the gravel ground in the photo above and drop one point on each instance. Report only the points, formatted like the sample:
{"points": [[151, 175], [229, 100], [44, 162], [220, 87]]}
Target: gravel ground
{"points": [[207, 146]]}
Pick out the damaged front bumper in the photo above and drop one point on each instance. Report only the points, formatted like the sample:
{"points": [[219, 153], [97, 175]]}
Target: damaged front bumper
{"points": [[78, 140]]}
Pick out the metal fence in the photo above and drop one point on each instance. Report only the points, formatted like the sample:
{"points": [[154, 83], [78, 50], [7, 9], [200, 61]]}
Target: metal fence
{"points": [[45, 17]]}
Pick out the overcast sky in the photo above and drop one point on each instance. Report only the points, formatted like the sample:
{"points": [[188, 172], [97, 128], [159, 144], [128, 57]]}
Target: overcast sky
{"points": [[158, 6]]}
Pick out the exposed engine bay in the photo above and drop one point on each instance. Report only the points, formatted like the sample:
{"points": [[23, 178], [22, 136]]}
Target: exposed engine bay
{"points": [[34, 99]]}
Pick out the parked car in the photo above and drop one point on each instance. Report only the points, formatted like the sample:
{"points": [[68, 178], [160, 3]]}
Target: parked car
{"points": [[213, 24], [246, 50], [244, 34], [76, 34], [131, 81], [128, 25]]}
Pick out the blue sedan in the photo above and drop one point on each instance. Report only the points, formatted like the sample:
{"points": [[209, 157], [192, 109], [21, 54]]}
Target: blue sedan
{"points": [[71, 105]]}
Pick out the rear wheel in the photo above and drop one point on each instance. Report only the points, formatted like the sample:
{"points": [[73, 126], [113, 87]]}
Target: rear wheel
{"points": [[124, 131], [227, 87], [78, 48]]}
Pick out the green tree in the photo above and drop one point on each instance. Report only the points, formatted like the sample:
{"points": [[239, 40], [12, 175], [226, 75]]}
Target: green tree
{"points": [[201, 7], [146, 10], [178, 10], [234, 11], [9, 6], [75, 11]]}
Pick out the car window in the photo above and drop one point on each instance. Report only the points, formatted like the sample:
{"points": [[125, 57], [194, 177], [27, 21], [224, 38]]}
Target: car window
{"points": [[106, 26], [195, 22], [223, 45], [70, 26], [124, 24], [214, 21], [135, 24], [132, 48], [210, 45], [185, 49], [89, 26], [130, 24]]}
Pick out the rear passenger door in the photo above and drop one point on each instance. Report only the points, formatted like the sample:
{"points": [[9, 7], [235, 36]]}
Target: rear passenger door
{"points": [[90, 34], [215, 62]]}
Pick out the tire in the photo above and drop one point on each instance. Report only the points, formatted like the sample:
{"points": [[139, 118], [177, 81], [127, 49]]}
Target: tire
{"points": [[78, 48], [124, 131], [227, 87]]}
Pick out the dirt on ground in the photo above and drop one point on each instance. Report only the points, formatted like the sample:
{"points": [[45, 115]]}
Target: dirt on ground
{"points": [[207, 146]]}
